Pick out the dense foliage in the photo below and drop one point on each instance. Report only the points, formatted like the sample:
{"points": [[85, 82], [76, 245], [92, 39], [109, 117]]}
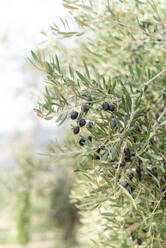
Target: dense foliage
{"points": [[112, 85]]}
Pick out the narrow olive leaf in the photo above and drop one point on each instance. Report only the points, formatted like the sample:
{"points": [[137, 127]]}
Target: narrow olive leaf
{"points": [[138, 101], [67, 33], [86, 69], [32, 62], [154, 156], [36, 110], [49, 68], [69, 6], [57, 64], [124, 104], [104, 83], [81, 23], [59, 117], [63, 22], [107, 180], [60, 148], [139, 73], [128, 195], [80, 34], [49, 118], [86, 82], [128, 100], [108, 214], [38, 113], [47, 93], [110, 10], [71, 71], [113, 86], [109, 84], [63, 118], [131, 72], [53, 28], [95, 201], [86, 7], [35, 56], [56, 26]]}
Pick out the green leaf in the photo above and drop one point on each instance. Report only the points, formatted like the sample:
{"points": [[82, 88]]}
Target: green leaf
{"points": [[57, 64], [128, 196], [71, 71], [156, 157], [69, 6], [128, 101], [63, 118], [59, 117], [108, 214], [35, 56], [49, 68], [86, 82], [131, 72], [164, 231], [86, 69]]}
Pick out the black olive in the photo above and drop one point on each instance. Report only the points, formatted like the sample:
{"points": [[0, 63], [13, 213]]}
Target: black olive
{"points": [[82, 122], [114, 123], [105, 106], [125, 184], [139, 241], [89, 124], [111, 107], [74, 115], [81, 141], [90, 138], [132, 236], [76, 130]]}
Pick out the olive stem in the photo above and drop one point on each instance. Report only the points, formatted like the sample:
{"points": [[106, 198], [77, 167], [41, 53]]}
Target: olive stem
{"points": [[153, 78]]}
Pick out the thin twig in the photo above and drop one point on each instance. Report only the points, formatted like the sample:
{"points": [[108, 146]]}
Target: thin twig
{"points": [[156, 206], [131, 115], [157, 13], [154, 128], [162, 114], [153, 78]]}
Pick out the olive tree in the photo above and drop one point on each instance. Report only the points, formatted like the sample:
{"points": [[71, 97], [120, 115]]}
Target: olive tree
{"points": [[111, 83]]}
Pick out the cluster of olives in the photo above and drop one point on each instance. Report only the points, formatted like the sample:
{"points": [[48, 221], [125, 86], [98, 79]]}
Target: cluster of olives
{"points": [[127, 157], [139, 241], [109, 107], [127, 153], [82, 122]]}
